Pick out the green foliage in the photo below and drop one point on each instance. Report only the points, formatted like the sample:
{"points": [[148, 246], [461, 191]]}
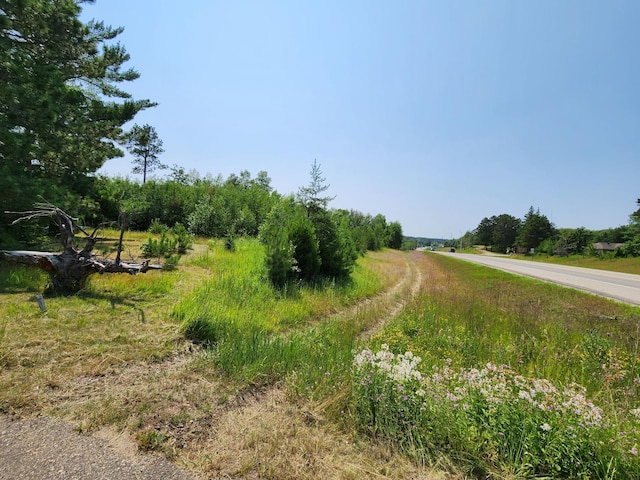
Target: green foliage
{"points": [[534, 230], [484, 231], [274, 235], [306, 251], [61, 110], [378, 238], [157, 227], [367, 233], [184, 240], [311, 195], [504, 232], [240, 205], [409, 244], [630, 248], [306, 242], [18, 277], [394, 233], [230, 242], [632, 236], [161, 247], [172, 243], [211, 217], [208, 207], [145, 146], [328, 244]]}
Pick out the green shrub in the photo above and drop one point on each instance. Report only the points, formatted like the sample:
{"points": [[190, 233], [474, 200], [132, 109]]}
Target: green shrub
{"points": [[157, 228], [162, 247], [176, 240], [184, 240], [279, 260]]}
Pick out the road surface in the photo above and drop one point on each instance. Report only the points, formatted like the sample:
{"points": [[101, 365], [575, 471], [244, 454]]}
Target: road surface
{"points": [[623, 287]]}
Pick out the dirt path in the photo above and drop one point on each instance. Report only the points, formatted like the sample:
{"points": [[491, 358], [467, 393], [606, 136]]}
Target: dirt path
{"points": [[394, 299], [238, 436]]}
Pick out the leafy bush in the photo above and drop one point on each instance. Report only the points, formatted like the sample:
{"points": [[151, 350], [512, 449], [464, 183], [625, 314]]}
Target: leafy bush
{"points": [[211, 217]]}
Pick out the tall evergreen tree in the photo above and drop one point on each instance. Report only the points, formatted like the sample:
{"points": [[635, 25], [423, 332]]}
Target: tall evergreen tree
{"points": [[145, 146], [311, 195], [535, 229], [61, 110]]}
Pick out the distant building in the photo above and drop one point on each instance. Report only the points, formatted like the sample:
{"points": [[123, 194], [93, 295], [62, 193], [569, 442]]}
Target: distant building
{"points": [[606, 246]]}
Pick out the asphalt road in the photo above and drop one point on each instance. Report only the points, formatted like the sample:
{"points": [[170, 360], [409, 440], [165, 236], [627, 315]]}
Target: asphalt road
{"points": [[623, 287], [47, 449]]}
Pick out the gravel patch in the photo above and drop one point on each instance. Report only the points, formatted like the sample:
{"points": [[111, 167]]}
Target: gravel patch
{"points": [[47, 449]]}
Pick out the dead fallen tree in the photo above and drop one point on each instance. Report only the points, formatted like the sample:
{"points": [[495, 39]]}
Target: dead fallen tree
{"points": [[69, 270]]}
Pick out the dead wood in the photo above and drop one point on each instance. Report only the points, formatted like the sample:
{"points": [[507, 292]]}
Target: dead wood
{"points": [[69, 270]]}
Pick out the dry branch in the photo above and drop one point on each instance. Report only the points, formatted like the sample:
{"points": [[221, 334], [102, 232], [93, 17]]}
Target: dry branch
{"points": [[68, 270]]}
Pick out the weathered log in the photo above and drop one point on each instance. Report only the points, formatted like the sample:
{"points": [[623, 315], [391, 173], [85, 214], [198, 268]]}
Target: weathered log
{"points": [[69, 270]]}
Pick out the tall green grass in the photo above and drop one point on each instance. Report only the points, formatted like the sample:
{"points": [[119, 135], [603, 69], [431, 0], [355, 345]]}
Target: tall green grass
{"points": [[489, 342], [261, 334], [21, 278], [607, 261]]}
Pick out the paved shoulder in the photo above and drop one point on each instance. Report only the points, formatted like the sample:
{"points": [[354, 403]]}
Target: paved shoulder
{"points": [[623, 287], [43, 448]]}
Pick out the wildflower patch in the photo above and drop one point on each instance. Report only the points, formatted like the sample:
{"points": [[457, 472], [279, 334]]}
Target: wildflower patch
{"points": [[491, 416]]}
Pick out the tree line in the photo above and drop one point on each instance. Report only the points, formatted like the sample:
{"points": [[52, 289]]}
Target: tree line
{"points": [[62, 115], [304, 238], [534, 233]]}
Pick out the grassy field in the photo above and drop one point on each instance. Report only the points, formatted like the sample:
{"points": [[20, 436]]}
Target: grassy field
{"points": [[210, 366], [625, 265], [519, 374], [602, 262]]}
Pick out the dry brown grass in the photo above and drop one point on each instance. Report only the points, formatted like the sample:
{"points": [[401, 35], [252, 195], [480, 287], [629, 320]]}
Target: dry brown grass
{"points": [[112, 362], [272, 437]]}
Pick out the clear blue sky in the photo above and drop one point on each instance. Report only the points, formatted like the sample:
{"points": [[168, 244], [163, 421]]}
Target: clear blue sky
{"points": [[433, 113]]}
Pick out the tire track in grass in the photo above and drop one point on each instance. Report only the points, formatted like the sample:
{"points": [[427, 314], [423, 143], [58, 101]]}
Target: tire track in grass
{"points": [[250, 434], [391, 303]]}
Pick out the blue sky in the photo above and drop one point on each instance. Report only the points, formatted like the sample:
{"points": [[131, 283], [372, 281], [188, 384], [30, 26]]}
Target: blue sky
{"points": [[433, 113]]}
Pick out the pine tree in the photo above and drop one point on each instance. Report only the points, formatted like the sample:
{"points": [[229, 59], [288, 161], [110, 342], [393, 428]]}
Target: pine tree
{"points": [[145, 146], [310, 196], [61, 110]]}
